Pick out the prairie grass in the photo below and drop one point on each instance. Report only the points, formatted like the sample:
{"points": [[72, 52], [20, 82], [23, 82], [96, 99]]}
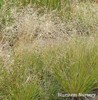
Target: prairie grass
{"points": [[47, 47], [76, 68], [17, 83], [50, 4], [82, 19], [71, 67]]}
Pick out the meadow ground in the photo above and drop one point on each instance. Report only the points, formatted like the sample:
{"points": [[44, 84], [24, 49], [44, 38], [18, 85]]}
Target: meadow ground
{"points": [[48, 48]]}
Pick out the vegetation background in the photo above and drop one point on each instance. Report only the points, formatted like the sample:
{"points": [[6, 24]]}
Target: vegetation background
{"points": [[48, 47]]}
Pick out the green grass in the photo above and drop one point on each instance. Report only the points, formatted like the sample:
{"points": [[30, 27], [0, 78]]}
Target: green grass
{"points": [[77, 68], [17, 84], [27, 79], [46, 3], [70, 67]]}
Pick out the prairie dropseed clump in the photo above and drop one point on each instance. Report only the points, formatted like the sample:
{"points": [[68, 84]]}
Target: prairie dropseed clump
{"points": [[48, 47]]}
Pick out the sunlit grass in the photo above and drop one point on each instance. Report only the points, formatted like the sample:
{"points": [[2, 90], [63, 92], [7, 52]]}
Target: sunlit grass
{"points": [[77, 68], [71, 67], [65, 60]]}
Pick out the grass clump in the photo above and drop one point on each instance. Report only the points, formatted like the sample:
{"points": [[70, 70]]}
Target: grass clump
{"points": [[76, 68], [43, 53], [18, 82], [74, 64], [71, 67]]}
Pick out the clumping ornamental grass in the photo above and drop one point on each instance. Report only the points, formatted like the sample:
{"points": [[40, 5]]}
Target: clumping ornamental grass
{"points": [[76, 66], [71, 67], [47, 47]]}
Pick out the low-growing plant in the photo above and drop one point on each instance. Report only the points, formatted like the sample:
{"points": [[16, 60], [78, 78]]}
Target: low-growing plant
{"points": [[19, 83], [76, 68], [36, 64], [40, 70]]}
